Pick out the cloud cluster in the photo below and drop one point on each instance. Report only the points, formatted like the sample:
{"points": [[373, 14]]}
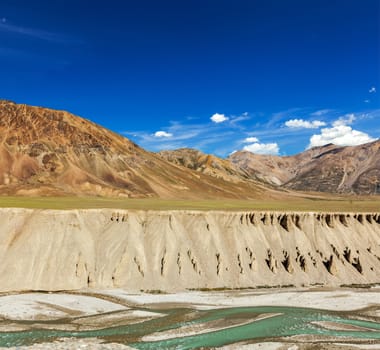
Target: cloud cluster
{"points": [[340, 134], [251, 140], [219, 118], [348, 119], [305, 124], [161, 134], [372, 90], [260, 148], [224, 133]]}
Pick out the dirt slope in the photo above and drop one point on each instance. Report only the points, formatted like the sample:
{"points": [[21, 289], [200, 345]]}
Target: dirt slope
{"points": [[206, 164], [49, 152]]}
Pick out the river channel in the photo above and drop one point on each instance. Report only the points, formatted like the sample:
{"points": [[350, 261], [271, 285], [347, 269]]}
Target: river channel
{"points": [[187, 328]]}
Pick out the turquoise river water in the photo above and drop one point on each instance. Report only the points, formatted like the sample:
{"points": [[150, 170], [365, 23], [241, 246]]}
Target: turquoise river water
{"points": [[291, 321]]}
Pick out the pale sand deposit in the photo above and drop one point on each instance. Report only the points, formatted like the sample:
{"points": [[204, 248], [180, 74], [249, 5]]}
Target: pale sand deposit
{"points": [[338, 300], [361, 346], [304, 346], [30, 306], [340, 326], [200, 328], [74, 344], [260, 346]]}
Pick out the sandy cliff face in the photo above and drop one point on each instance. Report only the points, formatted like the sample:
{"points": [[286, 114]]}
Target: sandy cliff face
{"points": [[141, 250]]}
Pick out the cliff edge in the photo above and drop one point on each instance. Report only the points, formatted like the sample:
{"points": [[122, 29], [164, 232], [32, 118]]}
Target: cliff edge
{"points": [[178, 250]]}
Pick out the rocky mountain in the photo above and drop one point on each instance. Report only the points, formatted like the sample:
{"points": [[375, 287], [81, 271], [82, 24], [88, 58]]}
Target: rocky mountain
{"points": [[328, 168], [49, 152], [206, 164]]}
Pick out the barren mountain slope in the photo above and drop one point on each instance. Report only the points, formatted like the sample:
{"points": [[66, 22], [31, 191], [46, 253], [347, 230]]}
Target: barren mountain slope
{"points": [[328, 168], [272, 169], [342, 169], [206, 164], [48, 152]]}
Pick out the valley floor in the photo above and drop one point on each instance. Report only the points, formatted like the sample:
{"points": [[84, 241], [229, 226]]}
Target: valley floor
{"points": [[115, 319], [317, 202]]}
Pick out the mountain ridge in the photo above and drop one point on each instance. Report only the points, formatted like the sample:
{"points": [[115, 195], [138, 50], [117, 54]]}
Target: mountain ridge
{"points": [[49, 152], [329, 168], [326, 169]]}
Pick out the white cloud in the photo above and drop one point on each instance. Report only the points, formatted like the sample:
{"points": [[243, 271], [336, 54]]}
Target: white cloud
{"points": [[186, 135], [348, 119], [372, 90], [251, 140], [321, 112], [367, 101], [162, 134], [218, 118], [262, 148], [300, 123], [340, 135]]}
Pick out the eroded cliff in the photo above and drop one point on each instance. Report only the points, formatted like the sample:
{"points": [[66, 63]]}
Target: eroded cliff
{"points": [[177, 250]]}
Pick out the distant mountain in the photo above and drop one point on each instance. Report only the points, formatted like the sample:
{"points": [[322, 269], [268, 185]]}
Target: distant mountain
{"points": [[328, 168], [49, 152], [206, 164]]}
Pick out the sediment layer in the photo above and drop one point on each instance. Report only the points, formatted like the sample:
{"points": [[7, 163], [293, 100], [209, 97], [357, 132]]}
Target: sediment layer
{"points": [[178, 250]]}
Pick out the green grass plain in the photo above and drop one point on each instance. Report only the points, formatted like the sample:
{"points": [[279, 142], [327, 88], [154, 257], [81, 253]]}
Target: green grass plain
{"points": [[349, 204]]}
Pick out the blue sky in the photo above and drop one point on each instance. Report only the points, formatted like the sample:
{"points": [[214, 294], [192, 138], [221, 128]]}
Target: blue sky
{"points": [[268, 76]]}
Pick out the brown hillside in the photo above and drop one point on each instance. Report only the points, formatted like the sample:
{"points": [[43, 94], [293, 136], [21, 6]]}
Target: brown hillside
{"points": [[49, 152], [328, 168], [206, 164]]}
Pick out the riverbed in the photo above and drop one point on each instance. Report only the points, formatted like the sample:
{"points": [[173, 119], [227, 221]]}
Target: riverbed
{"points": [[113, 319]]}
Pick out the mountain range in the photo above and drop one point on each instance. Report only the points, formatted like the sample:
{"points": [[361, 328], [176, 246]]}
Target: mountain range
{"points": [[329, 169], [50, 152]]}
